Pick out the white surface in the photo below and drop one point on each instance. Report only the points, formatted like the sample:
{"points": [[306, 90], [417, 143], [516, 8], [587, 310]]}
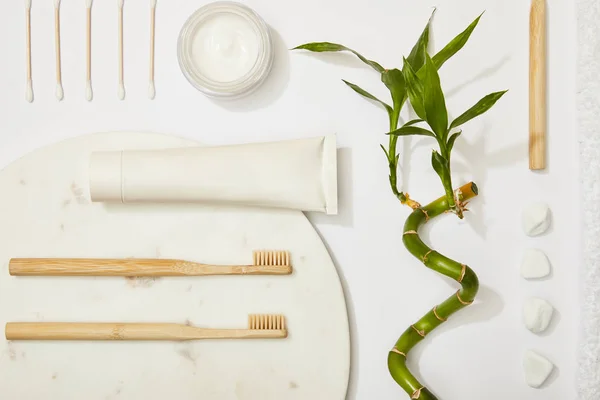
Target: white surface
{"points": [[536, 219], [537, 314], [299, 174], [535, 264], [537, 369], [588, 107], [386, 287], [313, 361]]}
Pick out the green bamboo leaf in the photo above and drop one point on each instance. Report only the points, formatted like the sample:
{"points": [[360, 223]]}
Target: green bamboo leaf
{"points": [[368, 95], [416, 58], [440, 165], [455, 44], [433, 100], [321, 47], [451, 141], [481, 107], [414, 88], [385, 151], [394, 80], [413, 122], [411, 130]]}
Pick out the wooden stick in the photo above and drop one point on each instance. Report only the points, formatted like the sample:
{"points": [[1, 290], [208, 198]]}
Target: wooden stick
{"points": [[29, 91], [152, 90], [121, 73], [129, 331], [537, 86], [28, 40], [135, 267], [88, 89], [57, 41], [59, 89]]}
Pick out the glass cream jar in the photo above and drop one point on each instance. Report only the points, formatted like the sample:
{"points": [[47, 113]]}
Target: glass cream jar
{"points": [[225, 50]]}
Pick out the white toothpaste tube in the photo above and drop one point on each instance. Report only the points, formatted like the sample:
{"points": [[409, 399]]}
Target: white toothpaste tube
{"points": [[298, 174]]}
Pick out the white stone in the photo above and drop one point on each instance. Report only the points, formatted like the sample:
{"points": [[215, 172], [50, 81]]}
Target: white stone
{"points": [[537, 369], [536, 219], [535, 264], [537, 314]]}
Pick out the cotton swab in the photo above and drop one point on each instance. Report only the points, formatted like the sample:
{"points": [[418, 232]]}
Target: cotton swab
{"points": [[59, 89], [88, 88], [121, 77], [29, 91], [151, 88]]}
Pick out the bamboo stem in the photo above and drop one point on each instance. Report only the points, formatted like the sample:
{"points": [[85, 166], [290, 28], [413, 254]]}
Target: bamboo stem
{"points": [[440, 313], [537, 86]]}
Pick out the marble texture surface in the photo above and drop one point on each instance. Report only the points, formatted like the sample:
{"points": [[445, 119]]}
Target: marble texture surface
{"points": [[45, 212]]}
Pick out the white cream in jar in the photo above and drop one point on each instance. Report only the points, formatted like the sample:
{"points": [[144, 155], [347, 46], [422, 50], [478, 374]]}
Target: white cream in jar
{"points": [[225, 49]]}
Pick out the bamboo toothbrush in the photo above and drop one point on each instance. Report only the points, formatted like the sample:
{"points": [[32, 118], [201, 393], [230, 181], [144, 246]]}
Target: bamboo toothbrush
{"points": [[29, 90], [151, 88], [121, 77], [265, 263], [259, 327], [537, 86], [88, 87], [60, 94]]}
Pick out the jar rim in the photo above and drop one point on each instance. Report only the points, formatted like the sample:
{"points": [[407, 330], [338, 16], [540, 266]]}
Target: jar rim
{"points": [[243, 85]]}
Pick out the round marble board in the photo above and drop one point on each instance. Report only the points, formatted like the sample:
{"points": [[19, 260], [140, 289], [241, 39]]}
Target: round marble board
{"points": [[45, 211]]}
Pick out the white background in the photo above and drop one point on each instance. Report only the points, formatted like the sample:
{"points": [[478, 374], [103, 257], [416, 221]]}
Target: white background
{"points": [[478, 353]]}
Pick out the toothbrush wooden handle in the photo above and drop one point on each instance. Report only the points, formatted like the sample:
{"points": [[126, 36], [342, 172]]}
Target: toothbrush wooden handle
{"points": [[92, 331], [128, 331], [133, 267], [537, 86]]}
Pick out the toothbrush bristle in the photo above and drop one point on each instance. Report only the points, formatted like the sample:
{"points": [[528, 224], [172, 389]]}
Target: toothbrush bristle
{"points": [[266, 322], [280, 258]]}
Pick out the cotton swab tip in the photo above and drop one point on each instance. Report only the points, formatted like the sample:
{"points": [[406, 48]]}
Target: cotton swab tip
{"points": [[27, 3], [60, 93], [56, 3], [120, 3], [29, 91], [151, 91], [121, 91], [88, 3], [88, 91], [152, 3]]}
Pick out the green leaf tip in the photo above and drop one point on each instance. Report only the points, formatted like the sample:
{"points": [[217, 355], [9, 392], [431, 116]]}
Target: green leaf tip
{"points": [[478, 109], [456, 44], [368, 95], [321, 47]]}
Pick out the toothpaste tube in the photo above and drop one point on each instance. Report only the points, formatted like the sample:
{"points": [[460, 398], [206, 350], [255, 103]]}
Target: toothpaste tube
{"points": [[298, 174]]}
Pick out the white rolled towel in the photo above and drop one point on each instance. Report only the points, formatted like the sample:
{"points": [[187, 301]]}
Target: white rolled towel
{"points": [[296, 174]]}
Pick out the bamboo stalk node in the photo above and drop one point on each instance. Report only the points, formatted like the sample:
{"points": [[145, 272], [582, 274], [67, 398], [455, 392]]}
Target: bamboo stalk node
{"points": [[395, 350], [426, 255], [420, 332], [437, 316], [417, 394], [463, 271], [426, 215], [411, 233], [465, 303]]}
